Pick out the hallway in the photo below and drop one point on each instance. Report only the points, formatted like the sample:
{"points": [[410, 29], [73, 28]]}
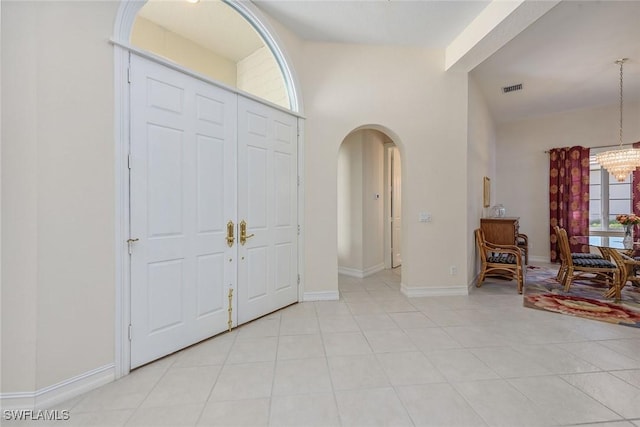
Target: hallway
{"points": [[378, 358]]}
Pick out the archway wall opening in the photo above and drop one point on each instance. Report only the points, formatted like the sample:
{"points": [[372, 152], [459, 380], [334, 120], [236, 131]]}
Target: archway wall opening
{"points": [[364, 202], [423, 110]]}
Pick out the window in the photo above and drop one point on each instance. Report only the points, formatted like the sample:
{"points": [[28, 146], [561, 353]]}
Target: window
{"points": [[607, 198]]}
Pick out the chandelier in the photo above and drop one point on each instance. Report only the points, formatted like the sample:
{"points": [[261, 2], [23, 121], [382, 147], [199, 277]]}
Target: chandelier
{"points": [[621, 162]]}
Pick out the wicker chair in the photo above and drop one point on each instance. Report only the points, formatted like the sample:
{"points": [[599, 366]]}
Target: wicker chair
{"points": [[503, 261], [522, 241], [632, 266], [583, 267], [574, 255], [629, 270], [625, 266]]}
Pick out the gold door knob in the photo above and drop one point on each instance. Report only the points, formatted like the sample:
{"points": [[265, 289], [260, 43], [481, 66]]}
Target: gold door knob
{"points": [[243, 232], [230, 235]]}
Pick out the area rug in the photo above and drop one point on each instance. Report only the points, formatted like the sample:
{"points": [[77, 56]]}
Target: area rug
{"points": [[584, 299]]}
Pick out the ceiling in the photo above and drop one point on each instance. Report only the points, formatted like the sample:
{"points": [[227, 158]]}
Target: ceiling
{"points": [[432, 24], [565, 60]]}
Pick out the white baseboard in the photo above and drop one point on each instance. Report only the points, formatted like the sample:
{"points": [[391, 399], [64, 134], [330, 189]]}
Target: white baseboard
{"points": [[432, 291], [321, 296], [361, 274], [473, 283], [58, 393]]}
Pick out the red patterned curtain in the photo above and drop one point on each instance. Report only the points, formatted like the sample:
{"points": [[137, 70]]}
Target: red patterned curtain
{"points": [[635, 193], [569, 196]]}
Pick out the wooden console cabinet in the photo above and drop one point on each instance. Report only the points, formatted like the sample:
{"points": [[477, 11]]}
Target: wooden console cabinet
{"points": [[500, 231]]}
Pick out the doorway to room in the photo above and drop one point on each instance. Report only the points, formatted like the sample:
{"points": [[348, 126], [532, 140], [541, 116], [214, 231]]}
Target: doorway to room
{"points": [[369, 203]]}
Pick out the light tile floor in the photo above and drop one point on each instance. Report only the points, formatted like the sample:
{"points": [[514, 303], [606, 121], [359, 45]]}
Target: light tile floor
{"points": [[378, 358]]}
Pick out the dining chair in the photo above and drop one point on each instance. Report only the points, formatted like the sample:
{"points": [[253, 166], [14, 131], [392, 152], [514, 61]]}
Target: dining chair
{"points": [[503, 261], [522, 240], [574, 255], [629, 269], [625, 267], [600, 269]]}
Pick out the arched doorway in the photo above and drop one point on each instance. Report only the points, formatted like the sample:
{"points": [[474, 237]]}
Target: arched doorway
{"points": [[369, 203], [209, 105]]}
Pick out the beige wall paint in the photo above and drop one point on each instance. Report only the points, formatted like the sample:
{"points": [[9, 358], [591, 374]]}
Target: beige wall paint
{"points": [[481, 162], [350, 209], [373, 209], [58, 180], [522, 171], [425, 112], [149, 36], [58, 175], [360, 215], [19, 197]]}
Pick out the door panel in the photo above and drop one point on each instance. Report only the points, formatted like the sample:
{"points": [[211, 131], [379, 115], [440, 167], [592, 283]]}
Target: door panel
{"points": [[267, 200], [183, 189], [202, 156]]}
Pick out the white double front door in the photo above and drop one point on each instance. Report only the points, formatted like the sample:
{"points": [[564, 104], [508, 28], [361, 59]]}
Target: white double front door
{"points": [[203, 160]]}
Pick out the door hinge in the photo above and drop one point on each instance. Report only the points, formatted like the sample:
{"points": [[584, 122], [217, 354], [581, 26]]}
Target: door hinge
{"points": [[128, 75], [130, 329], [298, 279], [129, 160], [298, 180], [298, 229]]}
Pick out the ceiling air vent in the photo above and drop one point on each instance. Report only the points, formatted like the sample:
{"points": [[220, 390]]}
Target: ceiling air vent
{"points": [[512, 88]]}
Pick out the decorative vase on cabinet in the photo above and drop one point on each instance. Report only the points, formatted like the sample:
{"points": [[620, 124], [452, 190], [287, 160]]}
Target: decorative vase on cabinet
{"points": [[498, 211], [627, 242]]}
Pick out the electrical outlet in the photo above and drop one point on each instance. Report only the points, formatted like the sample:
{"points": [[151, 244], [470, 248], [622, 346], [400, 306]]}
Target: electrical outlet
{"points": [[453, 270]]}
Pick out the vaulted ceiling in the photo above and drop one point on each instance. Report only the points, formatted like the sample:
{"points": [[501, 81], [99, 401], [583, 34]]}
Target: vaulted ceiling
{"points": [[564, 58]]}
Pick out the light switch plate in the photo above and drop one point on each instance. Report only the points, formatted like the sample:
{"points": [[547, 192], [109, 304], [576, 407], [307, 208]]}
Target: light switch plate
{"points": [[424, 217]]}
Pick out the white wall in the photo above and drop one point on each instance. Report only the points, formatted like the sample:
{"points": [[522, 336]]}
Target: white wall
{"points": [[522, 173], [424, 111], [350, 182], [480, 163], [360, 214], [57, 191], [372, 208], [58, 178], [19, 198]]}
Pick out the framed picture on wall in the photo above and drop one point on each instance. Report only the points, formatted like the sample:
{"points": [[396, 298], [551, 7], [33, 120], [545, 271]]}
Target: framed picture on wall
{"points": [[486, 192]]}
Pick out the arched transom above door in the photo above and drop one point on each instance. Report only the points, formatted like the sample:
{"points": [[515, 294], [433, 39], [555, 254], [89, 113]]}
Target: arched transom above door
{"points": [[217, 40]]}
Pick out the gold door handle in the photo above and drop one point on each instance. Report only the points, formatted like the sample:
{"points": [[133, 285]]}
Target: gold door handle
{"points": [[230, 231], [243, 232]]}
